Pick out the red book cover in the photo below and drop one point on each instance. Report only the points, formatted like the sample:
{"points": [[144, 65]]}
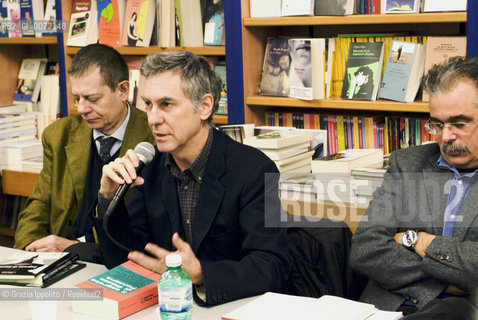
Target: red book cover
{"points": [[127, 288], [360, 127]]}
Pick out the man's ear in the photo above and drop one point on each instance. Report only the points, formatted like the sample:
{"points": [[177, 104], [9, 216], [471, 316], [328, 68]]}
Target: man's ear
{"points": [[123, 89], [205, 106]]}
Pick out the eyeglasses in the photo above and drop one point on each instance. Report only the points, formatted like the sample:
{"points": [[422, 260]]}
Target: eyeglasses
{"points": [[433, 127]]}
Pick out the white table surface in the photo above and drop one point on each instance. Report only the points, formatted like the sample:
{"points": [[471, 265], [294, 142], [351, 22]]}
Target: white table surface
{"points": [[61, 310]]}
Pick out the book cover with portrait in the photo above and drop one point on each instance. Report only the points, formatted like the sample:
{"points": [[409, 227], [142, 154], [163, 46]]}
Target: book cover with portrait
{"points": [[362, 71], [275, 70]]}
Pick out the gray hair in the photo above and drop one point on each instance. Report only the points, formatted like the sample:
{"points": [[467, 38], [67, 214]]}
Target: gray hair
{"points": [[445, 76], [197, 77]]}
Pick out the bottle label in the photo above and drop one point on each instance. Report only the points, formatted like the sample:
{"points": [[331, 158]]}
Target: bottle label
{"points": [[178, 299]]}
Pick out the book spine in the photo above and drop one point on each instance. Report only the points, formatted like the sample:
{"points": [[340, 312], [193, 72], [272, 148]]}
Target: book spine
{"points": [[50, 273]]}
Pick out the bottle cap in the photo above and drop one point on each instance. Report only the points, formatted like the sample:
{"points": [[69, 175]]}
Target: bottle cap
{"points": [[173, 260]]}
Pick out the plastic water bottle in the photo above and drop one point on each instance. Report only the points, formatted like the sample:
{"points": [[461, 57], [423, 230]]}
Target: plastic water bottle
{"points": [[175, 291]]}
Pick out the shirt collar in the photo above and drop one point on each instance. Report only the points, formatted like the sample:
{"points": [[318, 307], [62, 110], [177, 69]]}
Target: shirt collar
{"points": [[120, 132], [442, 164], [198, 166]]}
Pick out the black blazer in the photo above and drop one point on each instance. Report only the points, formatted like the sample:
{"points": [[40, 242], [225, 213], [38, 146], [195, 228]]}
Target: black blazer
{"points": [[239, 256]]}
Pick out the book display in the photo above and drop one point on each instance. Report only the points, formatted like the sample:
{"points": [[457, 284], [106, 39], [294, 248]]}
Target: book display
{"points": [[345, 117], [403, 72], [363, 70]]}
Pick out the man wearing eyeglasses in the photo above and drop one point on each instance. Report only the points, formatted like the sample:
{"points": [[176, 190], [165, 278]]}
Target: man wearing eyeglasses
{"points": [[418, 241]]}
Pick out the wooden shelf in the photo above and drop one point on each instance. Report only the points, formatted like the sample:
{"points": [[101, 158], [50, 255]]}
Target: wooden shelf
{"points": [[220, 119], [439, 17], [19, 183], [379, 105], [28, 41], [140, 51]]}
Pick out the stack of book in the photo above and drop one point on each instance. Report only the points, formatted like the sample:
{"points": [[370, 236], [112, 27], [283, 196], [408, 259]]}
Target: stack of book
{"points": [[37, 269], [33, 164], [364, 183], [288, 149], [16, 124], [345, 161], [13, 154]]}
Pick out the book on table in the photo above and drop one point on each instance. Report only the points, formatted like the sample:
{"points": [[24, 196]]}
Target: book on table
{"points": [[37, 269], [127, 288], [281, 306]]}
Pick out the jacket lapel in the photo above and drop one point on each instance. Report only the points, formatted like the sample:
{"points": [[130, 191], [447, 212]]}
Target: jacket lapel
{"points": [[77, 156], [171, 200], [212, 191]]}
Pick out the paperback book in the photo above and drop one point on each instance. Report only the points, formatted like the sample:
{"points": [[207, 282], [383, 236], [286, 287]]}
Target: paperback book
{"points": [[37, 269], [275, 69], [363, 70], [403, 71], [400, 6], [29, 79], [127, 288], [213, 21], [349, 159], [439, 49], [307, 68], [281, 306]]}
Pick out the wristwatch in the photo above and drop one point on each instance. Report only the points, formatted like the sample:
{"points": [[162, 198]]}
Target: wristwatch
{"points": [[409, 238]]}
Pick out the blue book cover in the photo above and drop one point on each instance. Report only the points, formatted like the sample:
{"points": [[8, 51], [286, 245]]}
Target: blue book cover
{"points": [[3, 18], [403, 71], [26, 13]]}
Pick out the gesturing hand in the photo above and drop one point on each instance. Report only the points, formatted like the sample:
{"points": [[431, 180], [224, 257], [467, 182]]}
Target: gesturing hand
{"points": [[157, 263]]}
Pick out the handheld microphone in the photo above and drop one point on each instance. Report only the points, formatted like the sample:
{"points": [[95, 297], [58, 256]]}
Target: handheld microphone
{"points": [[145, 153]]}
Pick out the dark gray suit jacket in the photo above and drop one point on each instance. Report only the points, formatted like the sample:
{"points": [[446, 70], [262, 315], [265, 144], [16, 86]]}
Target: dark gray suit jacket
{"points": [[239, 255], [414, 196]]}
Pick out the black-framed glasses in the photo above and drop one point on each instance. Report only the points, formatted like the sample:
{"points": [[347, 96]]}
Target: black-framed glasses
{"points": [[460, 127]]}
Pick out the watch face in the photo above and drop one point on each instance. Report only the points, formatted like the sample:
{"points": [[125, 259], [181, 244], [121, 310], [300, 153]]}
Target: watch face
{"points": [[409, 238]]}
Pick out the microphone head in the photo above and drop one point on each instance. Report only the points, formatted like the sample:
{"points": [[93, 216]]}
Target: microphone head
{"points": [[145, 152]]}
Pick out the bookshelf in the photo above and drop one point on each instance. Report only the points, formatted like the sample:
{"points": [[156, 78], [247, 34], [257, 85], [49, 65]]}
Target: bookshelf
{"points": [[255, 32], [143, 51]]}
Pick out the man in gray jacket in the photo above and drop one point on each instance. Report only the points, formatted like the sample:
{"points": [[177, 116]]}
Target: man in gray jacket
{"points": [[418, 241]]}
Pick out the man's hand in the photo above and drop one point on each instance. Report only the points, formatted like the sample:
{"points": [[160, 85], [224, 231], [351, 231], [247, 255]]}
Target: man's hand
{"points": [[50, 243], [423, 241], [158, 263], [118, 172]]}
